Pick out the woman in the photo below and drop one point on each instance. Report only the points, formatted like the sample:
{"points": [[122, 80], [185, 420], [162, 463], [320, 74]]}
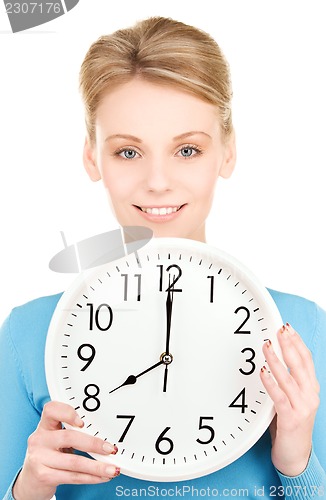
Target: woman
{"points": [[159, 134]]}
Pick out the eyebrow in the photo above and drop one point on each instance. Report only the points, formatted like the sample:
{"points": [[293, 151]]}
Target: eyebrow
{"points": [[189, 134], [123, 136], [176, 138]]}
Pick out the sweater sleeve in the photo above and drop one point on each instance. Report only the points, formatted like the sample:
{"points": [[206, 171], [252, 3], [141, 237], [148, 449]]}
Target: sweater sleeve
{"points": [[312, 482], [8, 494], [19, 417]]}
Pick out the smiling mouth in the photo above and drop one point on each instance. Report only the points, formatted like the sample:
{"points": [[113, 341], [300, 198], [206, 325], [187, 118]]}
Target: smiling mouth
{"points": [[160, 210]]}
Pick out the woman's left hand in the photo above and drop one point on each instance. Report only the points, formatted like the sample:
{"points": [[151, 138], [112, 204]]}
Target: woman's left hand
{"points": [[294, 390]]}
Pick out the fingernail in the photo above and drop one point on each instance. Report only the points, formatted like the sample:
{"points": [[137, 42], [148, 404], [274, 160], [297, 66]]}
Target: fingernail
{"points": [[117, 471], [289, 328], [264, 371], [269, 345], [79, 422], [110, 448]]}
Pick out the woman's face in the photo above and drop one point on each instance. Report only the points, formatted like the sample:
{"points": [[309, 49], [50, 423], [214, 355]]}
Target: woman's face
{"points": [[159, 152]]}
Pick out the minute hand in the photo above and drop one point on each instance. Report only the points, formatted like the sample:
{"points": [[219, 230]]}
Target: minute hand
{"points": [[132, 379], [169, 301]]}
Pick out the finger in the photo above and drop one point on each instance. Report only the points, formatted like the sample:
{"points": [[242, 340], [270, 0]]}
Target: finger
{"points": [[293, 359], [298, 358], [281, 401], [53, 476], [65, 439], [80, 465], [54, 413], [280, 373]]}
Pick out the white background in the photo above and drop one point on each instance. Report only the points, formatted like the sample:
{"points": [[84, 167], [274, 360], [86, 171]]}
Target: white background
{"points": [[270, 215]]}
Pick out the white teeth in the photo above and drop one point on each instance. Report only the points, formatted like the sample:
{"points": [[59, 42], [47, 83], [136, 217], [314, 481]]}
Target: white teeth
{"points": [[160, 211]]}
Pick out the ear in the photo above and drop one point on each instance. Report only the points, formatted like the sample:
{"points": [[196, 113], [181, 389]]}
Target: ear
{"points": [[229, 157], [89, 161]]}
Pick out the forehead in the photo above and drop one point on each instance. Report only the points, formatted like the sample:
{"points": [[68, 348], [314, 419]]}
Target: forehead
{"points": [[142, 108]]}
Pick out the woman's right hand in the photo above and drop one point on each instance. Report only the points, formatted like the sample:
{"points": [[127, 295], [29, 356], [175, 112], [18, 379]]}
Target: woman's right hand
{"points": [[49, 460]]}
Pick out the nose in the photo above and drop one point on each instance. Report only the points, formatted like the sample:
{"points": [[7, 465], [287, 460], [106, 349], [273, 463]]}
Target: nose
{"points": [[159, 175]]}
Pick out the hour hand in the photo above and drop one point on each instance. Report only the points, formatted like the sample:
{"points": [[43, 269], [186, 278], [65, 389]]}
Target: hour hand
{"points": [[132, 379]]}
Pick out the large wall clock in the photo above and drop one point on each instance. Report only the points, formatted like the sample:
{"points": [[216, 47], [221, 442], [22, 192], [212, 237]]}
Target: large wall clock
{"points": [[160, 353]]}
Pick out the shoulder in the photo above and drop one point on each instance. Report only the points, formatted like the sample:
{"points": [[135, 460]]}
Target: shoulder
{"points": [[306, 317], [28, 324], [39, 307]]}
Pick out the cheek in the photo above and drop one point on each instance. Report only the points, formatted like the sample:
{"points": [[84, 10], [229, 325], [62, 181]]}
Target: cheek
{"points": [[204, 184], [117, 185]]}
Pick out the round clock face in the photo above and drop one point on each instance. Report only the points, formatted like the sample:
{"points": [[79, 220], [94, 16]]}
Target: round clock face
{"points": [[160, 353]]}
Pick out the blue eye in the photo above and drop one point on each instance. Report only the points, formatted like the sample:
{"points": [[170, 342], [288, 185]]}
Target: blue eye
{"points": [[189, 151], [129, 154], [186, 151]]}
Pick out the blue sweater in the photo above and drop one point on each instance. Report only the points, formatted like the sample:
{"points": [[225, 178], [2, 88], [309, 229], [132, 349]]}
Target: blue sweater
{"points": [[23, 393]]}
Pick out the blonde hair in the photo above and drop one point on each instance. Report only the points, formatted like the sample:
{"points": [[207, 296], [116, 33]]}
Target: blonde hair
{"points": [[159, 50]]}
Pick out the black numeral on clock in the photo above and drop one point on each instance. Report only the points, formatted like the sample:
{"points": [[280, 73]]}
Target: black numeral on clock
{"points": [[250, 361], [211, 295], [83, 355], [102, 317], [208, 428], [125, 293], [175, 278], [247, 313], [166, 441], [131, 419], [242, 404], [91, 402]]}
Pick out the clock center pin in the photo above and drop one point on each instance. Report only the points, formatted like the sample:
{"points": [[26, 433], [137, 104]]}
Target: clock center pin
{"points": [[167, 358]]}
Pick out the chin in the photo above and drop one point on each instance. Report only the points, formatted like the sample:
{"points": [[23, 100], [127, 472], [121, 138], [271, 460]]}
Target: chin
{"points": [[165, 232], [174, 234]]}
